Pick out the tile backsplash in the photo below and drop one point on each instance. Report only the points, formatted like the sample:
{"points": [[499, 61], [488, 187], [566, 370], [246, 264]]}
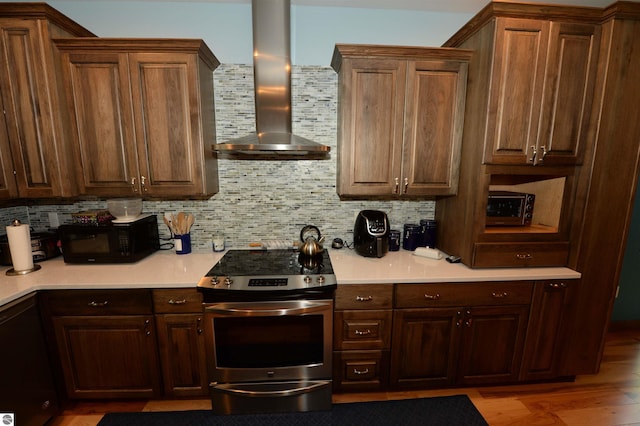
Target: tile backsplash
{"points": [[262, 200]]}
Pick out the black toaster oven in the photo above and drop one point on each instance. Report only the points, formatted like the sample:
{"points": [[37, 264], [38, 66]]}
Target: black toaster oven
{"points": [[506, 208]]}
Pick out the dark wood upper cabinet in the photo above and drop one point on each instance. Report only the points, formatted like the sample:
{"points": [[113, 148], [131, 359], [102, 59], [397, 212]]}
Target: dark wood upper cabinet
{"points": [[36, 157], [400, 118], [144, 116]]}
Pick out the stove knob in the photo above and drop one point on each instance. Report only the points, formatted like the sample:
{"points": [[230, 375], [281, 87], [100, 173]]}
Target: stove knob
{"points": [[214, 281], [228, 281], [321, 279], [307, 279]]}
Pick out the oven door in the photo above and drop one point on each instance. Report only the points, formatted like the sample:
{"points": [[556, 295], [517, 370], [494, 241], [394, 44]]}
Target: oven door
{"points": [[273, 340], [269, 356]]}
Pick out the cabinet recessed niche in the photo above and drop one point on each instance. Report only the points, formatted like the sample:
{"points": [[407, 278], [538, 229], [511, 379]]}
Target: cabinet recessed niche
{"points": [[548, 202]]}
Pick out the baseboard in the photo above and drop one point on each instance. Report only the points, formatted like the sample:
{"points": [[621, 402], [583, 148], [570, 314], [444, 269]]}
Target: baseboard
{"points": [[628, 325]]}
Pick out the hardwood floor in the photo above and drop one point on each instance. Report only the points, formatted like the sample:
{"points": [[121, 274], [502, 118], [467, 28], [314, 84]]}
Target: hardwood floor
{"points": [[609, 398]]}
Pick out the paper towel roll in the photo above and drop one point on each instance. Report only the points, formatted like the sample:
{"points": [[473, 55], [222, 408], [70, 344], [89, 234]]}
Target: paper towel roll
{"points": [[20, 246]]}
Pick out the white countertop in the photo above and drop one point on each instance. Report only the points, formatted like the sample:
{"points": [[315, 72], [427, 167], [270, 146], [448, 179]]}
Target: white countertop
{"points": [[403, 267], [165, 269]]}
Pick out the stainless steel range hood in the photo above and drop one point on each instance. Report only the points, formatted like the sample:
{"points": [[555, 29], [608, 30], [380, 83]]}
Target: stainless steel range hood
{"points": [[272, 79]]}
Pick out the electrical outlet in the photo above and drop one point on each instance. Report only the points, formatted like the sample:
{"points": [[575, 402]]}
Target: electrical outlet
{"points": [[54, 220]]}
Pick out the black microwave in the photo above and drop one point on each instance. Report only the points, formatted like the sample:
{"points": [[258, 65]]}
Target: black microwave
{"points": [[112, 243], [506, 208]]}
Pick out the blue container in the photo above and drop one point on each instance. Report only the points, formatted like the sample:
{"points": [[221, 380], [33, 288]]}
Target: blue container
{"points": [[394, 240], [429, 233], [412, 236], [182, 243]]}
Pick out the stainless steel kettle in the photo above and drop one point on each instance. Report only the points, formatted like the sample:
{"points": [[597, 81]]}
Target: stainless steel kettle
{"points": [[311, 244]]}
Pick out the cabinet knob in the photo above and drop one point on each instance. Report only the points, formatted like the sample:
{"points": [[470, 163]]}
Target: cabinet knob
{"points": [[499, 294], [523, 256], [432, 296], [534, 152], [134, 188], [177, 302], [362, 332], [360, 372], [406, 184], [364, 298], [397, 188], [143, 182], [95, 304], [557, 285]]}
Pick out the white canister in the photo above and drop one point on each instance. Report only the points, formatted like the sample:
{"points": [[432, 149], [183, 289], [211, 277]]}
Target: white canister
{"points": [[218, 242]]}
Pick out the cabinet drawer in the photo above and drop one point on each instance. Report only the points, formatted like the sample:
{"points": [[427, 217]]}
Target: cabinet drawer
{"points": [[364, 296], [177, 300], [360, 370], [99, 302], [490, 255], [359, 329], [464, 294]]}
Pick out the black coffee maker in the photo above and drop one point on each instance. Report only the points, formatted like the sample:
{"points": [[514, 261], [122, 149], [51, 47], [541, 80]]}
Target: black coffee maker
{"points": [[371, 233]]}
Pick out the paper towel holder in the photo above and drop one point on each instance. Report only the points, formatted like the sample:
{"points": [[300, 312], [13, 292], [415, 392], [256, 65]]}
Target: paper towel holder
{"points": [[11, 271]]}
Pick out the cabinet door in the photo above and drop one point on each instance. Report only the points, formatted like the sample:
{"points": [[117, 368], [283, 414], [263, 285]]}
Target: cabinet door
{"points": [[516, 90], [164, 88], [8, 188], [492, 344], [372, 102], [29, 102], [98, 91], [434, 118], [108, 356], [182, 354], [568, 92], [27, 388], [424, 348], [544, 346]]}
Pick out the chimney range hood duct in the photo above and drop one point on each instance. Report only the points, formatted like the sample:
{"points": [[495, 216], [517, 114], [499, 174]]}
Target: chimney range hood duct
{"points": [[272, 79]]}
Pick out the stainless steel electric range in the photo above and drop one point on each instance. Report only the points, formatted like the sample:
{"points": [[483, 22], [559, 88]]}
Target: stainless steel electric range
{"points": [[268, 326]]}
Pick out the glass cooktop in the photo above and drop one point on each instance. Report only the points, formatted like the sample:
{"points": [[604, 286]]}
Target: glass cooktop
{"points": [[271, 262], [270, 271]]}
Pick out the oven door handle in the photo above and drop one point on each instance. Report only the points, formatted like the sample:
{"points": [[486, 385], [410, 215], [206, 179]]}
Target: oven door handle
{"points": [[232, 388], [269, 309]]}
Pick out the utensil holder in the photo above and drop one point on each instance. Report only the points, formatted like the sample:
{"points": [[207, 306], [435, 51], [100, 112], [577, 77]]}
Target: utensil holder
{"points": [[182, 243]]}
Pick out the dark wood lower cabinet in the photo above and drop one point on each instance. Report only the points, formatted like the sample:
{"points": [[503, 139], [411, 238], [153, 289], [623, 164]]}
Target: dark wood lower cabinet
{"points": [[108, 356], [436, 347], [26, 382], [182, 354], [546, 334], [492, 343], [425, 346]]}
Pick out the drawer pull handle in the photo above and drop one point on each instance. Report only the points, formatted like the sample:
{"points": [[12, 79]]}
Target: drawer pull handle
{"points": [[177, 302], [557, 285], [432, 296], [361, 372], [95, 304], [362, 332], [364, 298], [499, 295], [523, 256]]}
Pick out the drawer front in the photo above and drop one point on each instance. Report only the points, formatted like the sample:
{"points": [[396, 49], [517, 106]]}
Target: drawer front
{"points": [[356, 329], [99, 302], [364, 296], [177, 300], [360, 370], [495, 255], [464, 294]]}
